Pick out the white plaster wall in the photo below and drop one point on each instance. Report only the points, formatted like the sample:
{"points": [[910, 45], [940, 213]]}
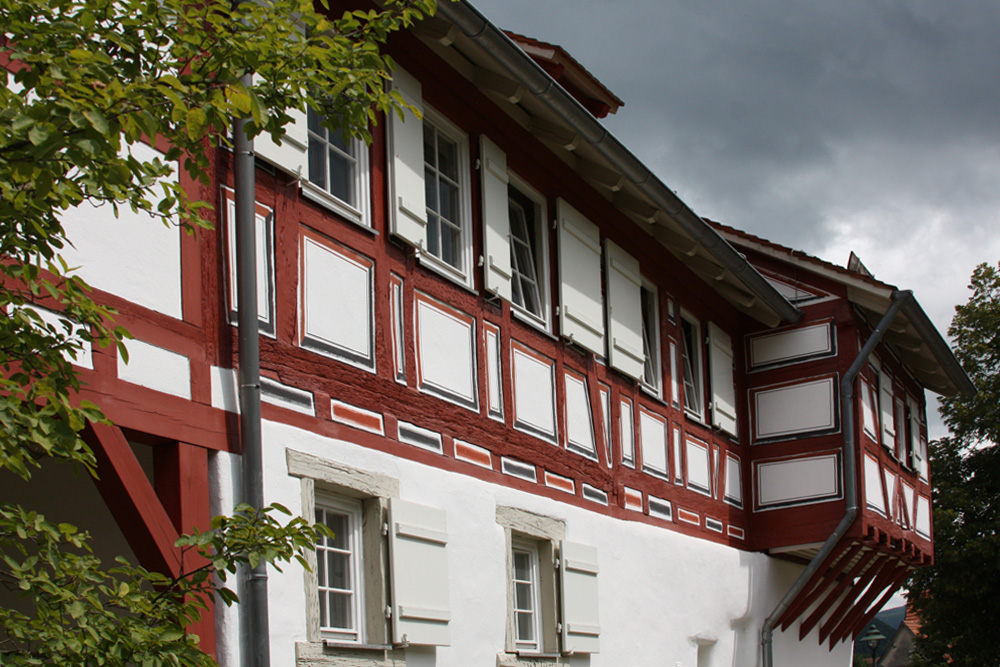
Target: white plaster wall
{"points": [[661, 593], [132, 256], [156, 368]]}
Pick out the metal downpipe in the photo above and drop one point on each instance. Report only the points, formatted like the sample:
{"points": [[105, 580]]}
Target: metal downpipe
{"points": [[899, 300], [254, 636]]}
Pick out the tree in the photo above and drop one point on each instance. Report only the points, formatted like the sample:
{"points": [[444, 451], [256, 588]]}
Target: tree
{"points": [[81, 83], [957, 597]]}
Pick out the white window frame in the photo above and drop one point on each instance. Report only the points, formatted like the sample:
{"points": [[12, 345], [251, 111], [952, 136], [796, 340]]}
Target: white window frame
{"points": [[652, 348], [528, 549], [695, 367], [462, 274], [541, 260], [264, 226], [351, 510], [358, 212]]}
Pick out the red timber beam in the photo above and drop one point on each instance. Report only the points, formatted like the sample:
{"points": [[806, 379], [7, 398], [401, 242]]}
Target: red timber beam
{"points": [[132, 501], [845, 581], [153, 518], [870, 614], [858, 619], [821, 579], [867, 587], [180, 478]]}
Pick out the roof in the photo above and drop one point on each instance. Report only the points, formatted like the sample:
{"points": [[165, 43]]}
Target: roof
{"points": [[573, 76], [912, 335], [516, 80]]}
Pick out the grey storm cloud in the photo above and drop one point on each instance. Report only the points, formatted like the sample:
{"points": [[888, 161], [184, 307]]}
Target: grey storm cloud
{"points": [[866, 125]]}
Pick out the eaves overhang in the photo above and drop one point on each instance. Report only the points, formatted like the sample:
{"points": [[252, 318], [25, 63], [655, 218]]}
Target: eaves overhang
{"points": [[482, 53], [912, 335]]}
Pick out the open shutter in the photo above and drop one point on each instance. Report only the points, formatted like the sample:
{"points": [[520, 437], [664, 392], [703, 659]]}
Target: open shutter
{"points": [[914, 443], [418, 537], [886, 406], [581, 311], [496, 218], [624, 311], [408, 212], [720, 360], [581, 627], [291, 152], [870, 424]]}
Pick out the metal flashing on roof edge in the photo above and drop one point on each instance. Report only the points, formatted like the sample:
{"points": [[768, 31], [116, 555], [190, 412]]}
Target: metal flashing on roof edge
{"points": [[529, 74]]}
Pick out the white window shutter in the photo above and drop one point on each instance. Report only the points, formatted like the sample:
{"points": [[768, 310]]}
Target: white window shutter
{"points": [[581, 627], [408, 212], [581, 310], [720, 360], [496, 218], [291, 152], [418, 539], [886, 407], [624, 311], [869, 423], [914, 433]]}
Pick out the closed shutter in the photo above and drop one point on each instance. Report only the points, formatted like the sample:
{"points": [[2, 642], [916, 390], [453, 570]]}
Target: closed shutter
{"points": [[886, 406], [581, 311], [408, 212], [624, 311], [418, 538], [581, 627], [720, 360], [291, 152], [496, 218]]}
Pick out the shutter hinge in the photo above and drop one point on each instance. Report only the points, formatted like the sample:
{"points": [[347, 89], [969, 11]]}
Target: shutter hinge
{"points": [[556, 564], [385, 529], [388, 611], [482, 260], [559, 628], [478, 163]]}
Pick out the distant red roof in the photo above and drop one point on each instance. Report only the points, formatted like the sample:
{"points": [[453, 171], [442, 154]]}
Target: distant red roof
{"points": [[864, 275], [570, 74]]}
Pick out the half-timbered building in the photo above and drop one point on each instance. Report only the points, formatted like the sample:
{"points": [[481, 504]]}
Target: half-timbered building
{"points": [[552, 415]]}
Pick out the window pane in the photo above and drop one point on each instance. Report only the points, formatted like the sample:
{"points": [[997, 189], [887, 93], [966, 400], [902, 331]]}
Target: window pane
{"points": [[522, 566], [340, 610], [523, 597], [339, 570], [338, 524], [447, 158], [525, 628], [449, 201], [341, 177], [317, 166], [433, 235]]}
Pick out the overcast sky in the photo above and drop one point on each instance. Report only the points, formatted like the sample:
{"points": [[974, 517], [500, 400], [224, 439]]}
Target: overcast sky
{"points": [[871, 125]]}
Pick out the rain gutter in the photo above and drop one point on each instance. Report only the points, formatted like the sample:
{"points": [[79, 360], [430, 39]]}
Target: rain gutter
{"points": [[900, 301], [529, 74], [254, 636]]}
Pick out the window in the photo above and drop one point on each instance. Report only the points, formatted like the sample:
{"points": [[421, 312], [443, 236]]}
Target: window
{"points": [[445, 190], [361, 571], [338, 569], [691, 357], [264, 247], [552, 608], [338, 170], [650, 339], [527, 603], [526, 254]]}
